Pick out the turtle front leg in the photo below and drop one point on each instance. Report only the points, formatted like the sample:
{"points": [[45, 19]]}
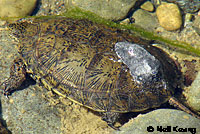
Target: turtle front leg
{"points": [[17, 76], [111, 118]]}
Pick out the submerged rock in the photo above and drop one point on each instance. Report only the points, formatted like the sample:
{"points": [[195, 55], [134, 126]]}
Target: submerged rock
{"points": [[108, 9], [193, 95], [169, 16], [16, 8], [161, 121], [148, 6], [145, 19], [187, 6]]}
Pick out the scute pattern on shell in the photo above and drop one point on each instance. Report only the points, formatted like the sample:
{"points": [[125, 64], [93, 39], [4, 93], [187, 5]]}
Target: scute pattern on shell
{"points": [[76, 59]]}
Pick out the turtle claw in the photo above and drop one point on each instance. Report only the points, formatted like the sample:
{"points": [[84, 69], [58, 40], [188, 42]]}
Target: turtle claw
{"points": [[6, 89], [111, 118], [113, 127], [7, 95]]}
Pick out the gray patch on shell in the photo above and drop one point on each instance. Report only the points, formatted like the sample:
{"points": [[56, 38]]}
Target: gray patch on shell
{"points": [[143, 66]]}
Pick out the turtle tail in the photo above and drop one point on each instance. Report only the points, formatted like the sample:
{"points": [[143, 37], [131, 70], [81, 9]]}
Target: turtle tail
{"points": [[173, 101]]}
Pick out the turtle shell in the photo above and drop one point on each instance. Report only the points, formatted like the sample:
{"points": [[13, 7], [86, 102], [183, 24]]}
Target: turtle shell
{"points": [[77, 59]]}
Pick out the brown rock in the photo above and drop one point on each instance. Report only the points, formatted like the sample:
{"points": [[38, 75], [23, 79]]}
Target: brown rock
{"points": [[148, 6], [169, 16]]}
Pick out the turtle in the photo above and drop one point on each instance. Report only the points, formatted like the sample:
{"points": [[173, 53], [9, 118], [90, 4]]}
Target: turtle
{"points": [[103, 68]]}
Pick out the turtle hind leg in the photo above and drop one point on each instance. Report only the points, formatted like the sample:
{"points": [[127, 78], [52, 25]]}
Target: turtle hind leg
{"points": [[111, 118], [173, 101], [17, 76]]}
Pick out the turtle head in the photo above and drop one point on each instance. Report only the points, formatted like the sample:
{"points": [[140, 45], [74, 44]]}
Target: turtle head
{"points": [[17, 28], [22, 29]]}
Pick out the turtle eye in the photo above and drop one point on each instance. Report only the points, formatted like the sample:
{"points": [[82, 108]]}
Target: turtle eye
{"points": [[17, 63], [17, 29]]}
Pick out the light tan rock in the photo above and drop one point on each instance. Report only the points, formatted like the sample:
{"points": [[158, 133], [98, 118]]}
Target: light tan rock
{"points": [[16, 8], [169, 16], [148, 6], [193, 95]]}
